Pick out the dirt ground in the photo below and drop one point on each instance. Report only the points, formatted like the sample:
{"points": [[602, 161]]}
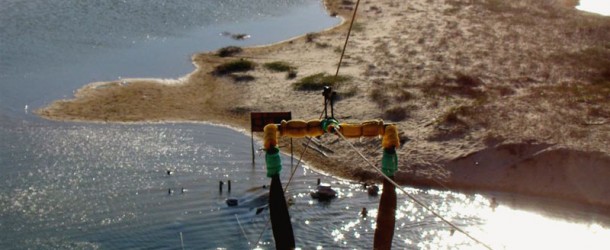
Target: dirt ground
{"points": [[495, 95]]}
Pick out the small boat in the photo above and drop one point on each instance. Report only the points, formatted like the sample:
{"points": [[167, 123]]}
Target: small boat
{"points": [[324, 192]]}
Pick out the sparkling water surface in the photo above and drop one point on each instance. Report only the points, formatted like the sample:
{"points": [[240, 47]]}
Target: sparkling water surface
{"points": [[70, 185]]}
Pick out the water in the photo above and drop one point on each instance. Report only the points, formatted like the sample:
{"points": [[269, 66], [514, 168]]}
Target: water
{"points": [[105, 186], [596, 6]]}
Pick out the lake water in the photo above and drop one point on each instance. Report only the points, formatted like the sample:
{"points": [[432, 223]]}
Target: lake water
{"points": [[596, 6], [70, 185]]}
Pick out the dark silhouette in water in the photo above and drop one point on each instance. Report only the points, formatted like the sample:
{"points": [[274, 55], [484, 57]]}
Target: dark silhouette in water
{"points": [[364, 212], [280, 219], [386, 217], [373, 190]]}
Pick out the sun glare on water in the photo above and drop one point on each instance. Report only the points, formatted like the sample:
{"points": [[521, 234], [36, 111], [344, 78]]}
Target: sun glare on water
{"points": [[513, 229], [595, 6]]}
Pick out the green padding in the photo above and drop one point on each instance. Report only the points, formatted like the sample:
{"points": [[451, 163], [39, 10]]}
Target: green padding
{"points": [[274, 162], [327, 122], [389, 163]]}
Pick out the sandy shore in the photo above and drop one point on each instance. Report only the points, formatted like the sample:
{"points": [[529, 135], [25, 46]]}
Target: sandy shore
{"points": [[494, 95]]}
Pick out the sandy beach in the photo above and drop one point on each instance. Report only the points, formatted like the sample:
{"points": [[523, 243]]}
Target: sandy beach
{"points": [[510, 96]]}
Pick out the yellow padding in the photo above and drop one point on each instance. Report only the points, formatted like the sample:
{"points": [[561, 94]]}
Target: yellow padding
{"points": [[350, 130], [372, 128], [294, 128], [270, 136], [368, 128], [300, 128], [390, 137], [314, 128]]}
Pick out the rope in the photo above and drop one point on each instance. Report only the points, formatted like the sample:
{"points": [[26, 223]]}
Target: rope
{"points": [[411, 196], [242, 230], [349, 31]]}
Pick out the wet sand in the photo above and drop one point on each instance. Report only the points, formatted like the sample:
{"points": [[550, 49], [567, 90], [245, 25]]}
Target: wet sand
{"points": [[488, 95]]}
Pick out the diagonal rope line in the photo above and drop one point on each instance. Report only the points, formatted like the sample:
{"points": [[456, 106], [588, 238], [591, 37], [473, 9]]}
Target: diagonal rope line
{"points": [[349, 31], [411, 196]]}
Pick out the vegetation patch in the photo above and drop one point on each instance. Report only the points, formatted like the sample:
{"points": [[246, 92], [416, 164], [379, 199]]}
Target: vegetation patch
{"points": [[384, 95], [504, 90], [342, 95], [497, 5], [291, 74], [310, 37], [467, 80], [358, 27], [571, 94], [455, 115], [229, 51], [594, 58], [240, 110], [452, 124], [318, 81], [240, 65], [463, 85], [279, 66], [243, 78], [379, 96], [396, 114]]}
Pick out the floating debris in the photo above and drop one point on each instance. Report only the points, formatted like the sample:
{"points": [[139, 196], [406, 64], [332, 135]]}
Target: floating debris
{"points": [[324, 192], [236, 36], [232, 202]]}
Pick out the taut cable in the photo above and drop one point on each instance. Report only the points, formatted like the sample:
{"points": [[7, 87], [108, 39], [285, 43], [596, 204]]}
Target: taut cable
{"points": [[411, 196]]}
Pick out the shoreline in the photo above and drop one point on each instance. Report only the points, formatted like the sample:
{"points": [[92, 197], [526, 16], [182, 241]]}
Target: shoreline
{"points": [[461, 90]]}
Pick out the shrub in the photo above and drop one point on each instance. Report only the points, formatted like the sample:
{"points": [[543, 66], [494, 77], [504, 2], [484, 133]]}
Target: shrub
{"points": [[234, 66], [379, 96], [310, 37], [455, 115], [358, 27], [278, 66], [395, 114], [291, 74], [229, 51], [353, 91], [243, 78], [240, 110], [462, 85], [467, 80], [497, 5], [505, 90], [318, 81], [403, 95]]}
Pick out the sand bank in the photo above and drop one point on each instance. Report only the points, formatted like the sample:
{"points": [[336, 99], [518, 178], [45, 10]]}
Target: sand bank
{"points": [[489, 95]]}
